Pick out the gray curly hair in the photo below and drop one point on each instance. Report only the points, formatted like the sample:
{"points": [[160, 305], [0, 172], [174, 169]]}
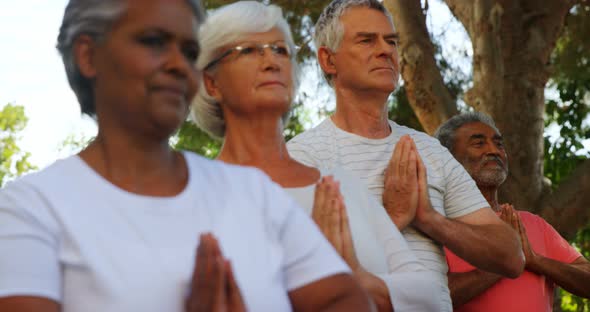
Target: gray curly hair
{"points": [[329, 30], [446, 132], [93, 18], [226, 26]]}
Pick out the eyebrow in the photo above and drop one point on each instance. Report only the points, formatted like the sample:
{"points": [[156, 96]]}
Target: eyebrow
{"points": [[373, 35], [167, 34], [478, 136]]}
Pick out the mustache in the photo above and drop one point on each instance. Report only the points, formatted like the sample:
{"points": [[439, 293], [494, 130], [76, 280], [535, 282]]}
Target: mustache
{"points": [[497, 159]]}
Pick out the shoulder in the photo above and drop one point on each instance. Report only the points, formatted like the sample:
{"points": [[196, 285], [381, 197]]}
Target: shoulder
{"points": [[233, 182], [530, 219], [45, 180], [217, 171], [313, 135]]}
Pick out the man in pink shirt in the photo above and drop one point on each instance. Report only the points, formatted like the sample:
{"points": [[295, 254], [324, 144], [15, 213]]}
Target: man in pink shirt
{"points": [[477, 144]]}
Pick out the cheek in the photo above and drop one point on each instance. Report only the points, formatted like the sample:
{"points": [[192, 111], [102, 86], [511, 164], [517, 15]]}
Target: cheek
{"points": [[194, 81]]}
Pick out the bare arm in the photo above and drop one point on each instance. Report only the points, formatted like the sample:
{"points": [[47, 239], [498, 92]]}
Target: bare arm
{"points": [[468, 285], [28, 304], [338, 292], [480, 238], [573, 277]]}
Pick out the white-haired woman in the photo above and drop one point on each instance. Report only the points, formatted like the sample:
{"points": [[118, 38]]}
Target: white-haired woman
{"points": [[116, 227], [249, 79]]}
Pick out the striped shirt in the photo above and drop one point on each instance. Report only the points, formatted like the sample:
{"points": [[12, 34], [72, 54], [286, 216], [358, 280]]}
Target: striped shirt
{"points": [[453, 192]]}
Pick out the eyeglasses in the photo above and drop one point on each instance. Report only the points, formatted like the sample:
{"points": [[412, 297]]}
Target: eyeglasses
{"points": [[249, 49]]}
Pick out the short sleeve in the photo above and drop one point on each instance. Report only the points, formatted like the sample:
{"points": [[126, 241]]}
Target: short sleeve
{"points": [[462, 196], [302, 153], [307, 255], [557, 247], [28, 246]]}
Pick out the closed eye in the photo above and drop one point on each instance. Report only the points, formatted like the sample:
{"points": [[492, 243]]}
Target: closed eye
{"points": [[153, 41], [247, 50]]}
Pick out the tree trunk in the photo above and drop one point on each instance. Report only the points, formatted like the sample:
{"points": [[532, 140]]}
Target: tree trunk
{"points": [[429, 97]]}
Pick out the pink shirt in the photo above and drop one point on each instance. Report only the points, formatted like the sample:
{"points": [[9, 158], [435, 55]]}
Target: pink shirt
{"points": [[529, 292]]}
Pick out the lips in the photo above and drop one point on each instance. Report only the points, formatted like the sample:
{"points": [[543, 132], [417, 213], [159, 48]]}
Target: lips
{"points": [[272, 83], [383, 68], [171, 90]]}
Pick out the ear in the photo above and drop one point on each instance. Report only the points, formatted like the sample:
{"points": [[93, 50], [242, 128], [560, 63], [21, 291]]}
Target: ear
{"points": [[326, 61], [84, 55], [211, 86]]}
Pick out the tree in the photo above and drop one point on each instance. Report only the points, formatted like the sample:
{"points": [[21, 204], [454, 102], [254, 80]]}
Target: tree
{"points": [[13, 161], [515, 53], [512, 46]]}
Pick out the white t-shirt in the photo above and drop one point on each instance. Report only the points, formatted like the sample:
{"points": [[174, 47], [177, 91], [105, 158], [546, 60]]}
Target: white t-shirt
{"points": [[380, 247], [453, 192], [69, 235]]}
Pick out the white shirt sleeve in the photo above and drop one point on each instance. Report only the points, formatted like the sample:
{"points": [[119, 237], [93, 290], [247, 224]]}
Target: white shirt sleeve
{"points": [[307, 255], [303, 152], [29, 263]]}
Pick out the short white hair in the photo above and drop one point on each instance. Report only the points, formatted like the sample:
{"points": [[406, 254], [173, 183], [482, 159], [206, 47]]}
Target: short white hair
{"points": [[329, 30], [225, 26]]}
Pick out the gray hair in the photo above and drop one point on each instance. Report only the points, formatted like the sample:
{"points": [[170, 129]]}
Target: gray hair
{"points": [[329, 30], [446, 132], [225, 26], [93, 18]]}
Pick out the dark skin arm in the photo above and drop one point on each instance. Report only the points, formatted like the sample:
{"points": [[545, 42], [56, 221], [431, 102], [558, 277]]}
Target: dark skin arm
{"points": [[28, 304], [573, 277], [468, 285], [338, 292]]}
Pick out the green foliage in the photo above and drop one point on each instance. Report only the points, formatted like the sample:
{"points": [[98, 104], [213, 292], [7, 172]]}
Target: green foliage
{"points": [[13, 161], [571, 79], [192, 138]]}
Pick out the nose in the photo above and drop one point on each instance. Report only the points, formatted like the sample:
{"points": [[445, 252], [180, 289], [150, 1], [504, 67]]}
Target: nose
{"points": [[178, 64], [384, 48], [494, 149], [269, 60]]}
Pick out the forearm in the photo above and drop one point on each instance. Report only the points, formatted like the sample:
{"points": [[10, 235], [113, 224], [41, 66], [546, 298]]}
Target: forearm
{"points": [[468, 285], [494, 248], [340, 292], [575, 280]]}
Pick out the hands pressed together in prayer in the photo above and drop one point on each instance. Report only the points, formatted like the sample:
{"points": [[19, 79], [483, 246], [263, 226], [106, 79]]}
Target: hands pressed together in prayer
{"points": [[213, 286], [329, 213], [509, 215], [406, 196]]}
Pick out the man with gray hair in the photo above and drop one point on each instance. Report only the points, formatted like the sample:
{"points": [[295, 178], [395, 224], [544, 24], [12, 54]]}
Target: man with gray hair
{"points": [[477, 144], [428, 195]]}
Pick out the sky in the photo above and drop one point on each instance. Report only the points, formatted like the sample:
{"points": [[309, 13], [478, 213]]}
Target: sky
{"points": [[32, 74]]}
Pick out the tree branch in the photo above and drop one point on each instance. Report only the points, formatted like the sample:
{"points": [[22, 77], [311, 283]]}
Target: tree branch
{"points": [[428, 95], [568, 208]]}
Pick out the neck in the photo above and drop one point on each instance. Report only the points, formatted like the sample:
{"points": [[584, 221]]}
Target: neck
{"points": [[254, 141], [362, 113], [491, 195], [138, 164]]}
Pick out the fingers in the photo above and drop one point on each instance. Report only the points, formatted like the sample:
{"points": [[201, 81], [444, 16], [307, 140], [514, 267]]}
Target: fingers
{"points": [[234, 295], [207, 282], [349, 253], [326, 213], [509, 215]]}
